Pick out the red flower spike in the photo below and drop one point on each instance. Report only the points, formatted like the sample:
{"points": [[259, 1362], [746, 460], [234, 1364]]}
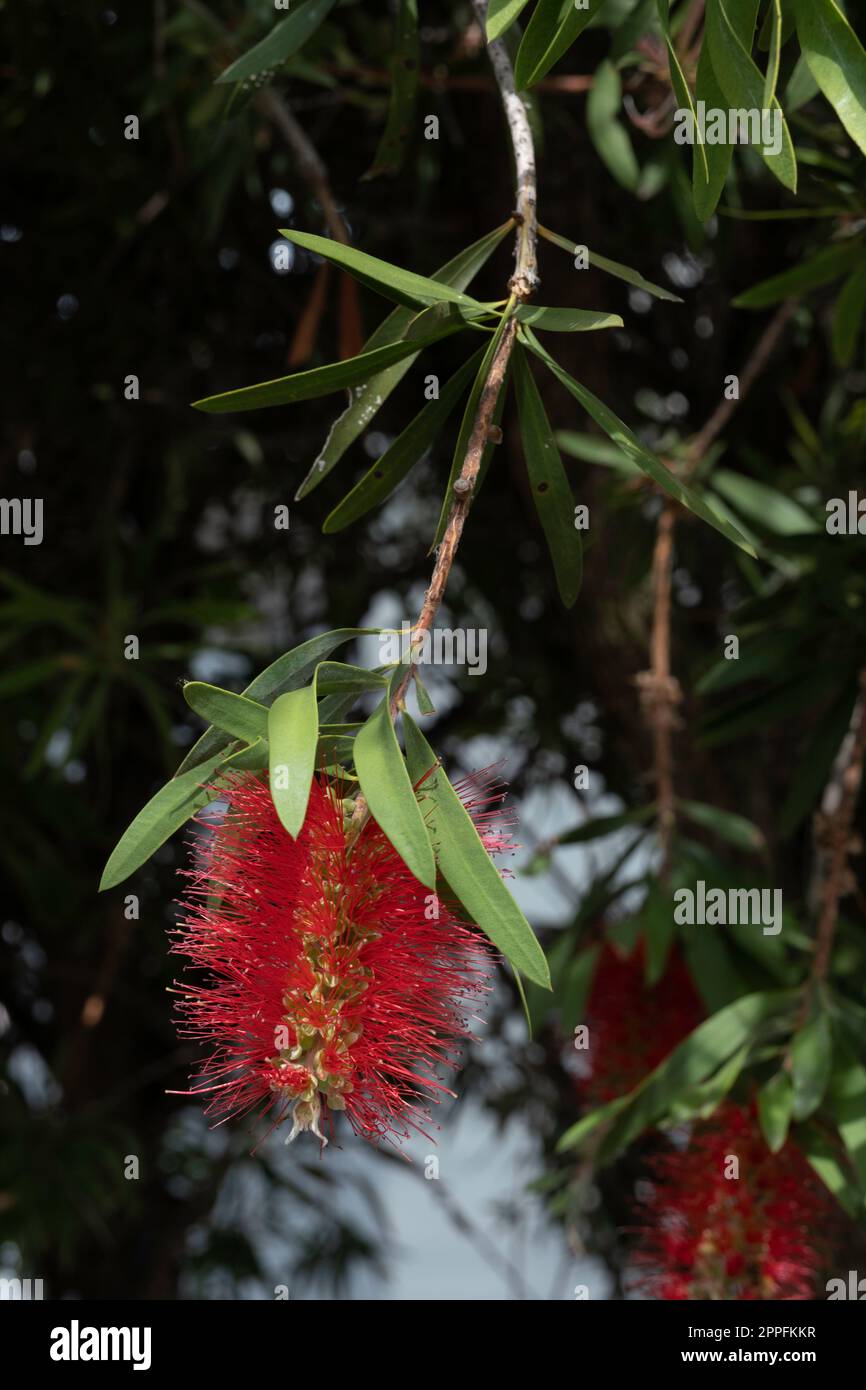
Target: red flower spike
{"points": [[330, 980], [762, 1235]]}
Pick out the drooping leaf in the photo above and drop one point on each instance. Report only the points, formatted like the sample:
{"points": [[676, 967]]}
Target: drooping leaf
{"points": [[776, 1109], [367, 399], [658, 931], [389, 471], [317, 381], [615, 268], [647, 461], [550, 487], [286, 38], [390, 795], [165, 813], [709, 174], [848, 317], [765, 505], [743, 84], [600, 826], [847, 1104], [467, 866], [837, 61], [606, 130], [293, 734], [681, 87], [811, 1064], [553, 28], [771, 77], [404, 65], [289, 672]]}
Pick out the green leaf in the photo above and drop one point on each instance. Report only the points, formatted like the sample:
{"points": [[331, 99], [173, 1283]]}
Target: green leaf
{"points": [[600, 826], [389, 471], [591, 449], [390, 795], [709, 174], [572, 991], [550, 488], [405, 67], [165, 813], [289, 672], [837, 61], [318, 381], [829, 264], [293, 734], [681, 87], [847, 1105], [553, 28], [658, 931], [234, 714], [285, 38], [811, 1064], [764, 505], [647, 461], [501, 14], [700, 1101], [726, 824], [367, 398], [425, 704], [825, 1158], [606, 130], [392, 281], [467, 425], [701, 1054], [467, 866], [848, 317], [615, 268], [566, 320], [743, 85], [776, 1109], [771, 77]]}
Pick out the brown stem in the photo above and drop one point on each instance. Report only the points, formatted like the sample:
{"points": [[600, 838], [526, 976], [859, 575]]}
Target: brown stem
{"points": [[833, 825], [660, 692]]}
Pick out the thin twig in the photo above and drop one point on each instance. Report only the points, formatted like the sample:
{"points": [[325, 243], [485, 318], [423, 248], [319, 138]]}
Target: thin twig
{"points": [[833, 831], [521, 285], [660, 691]]}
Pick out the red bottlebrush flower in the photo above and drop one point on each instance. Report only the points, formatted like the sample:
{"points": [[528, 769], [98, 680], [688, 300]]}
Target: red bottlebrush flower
{"points": [[761, 1235], [632, 1027], [331, 980]]}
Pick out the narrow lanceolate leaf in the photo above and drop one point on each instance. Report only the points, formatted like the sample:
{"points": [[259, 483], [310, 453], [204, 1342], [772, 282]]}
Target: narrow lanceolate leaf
{"points": [[467, 425], [165, 813], [811, 1064], [553, 28], [771, 77], [566, 320], [822, 269], [236, 715], [645, 459], [837, 61], [710, 173], [319, 381], [615, 268], [293, 733], [848, 317], [404, 66], [501, 14], [551, 492], [681, 87], [389, 471], [776, 1110], [392, 281], [289, 672], [699, 1056], [726, 824], [847, 1103], [366, 399], [606, 130], [743, 84], [285, 38], [390, 795], [466, 865]]}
